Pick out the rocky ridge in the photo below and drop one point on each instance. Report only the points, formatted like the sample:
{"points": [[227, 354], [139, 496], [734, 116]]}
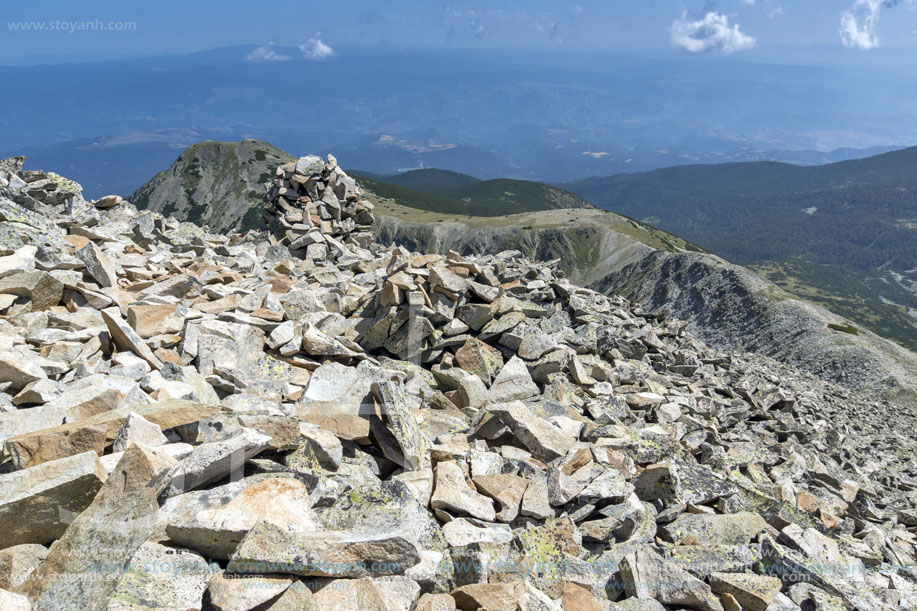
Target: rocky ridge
{"points": [[728, 306], [733, 308], [365, 427]]}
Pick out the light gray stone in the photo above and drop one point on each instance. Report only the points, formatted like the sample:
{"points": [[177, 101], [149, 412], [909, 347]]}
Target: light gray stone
{"points": [[544, 440], [81, 570], [213, 522], [98, 264], [452, 493], [37, 504], [209, 462]]}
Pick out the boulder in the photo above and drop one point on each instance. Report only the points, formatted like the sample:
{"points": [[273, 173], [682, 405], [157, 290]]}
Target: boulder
{"points": [[18, 562], [752, 592], [544, 440], [41, 288], [452, 493], [126, 338], [209, 462], [729, 529], [160, 577], [37, 504], [267, 548], [646, 575], [213, 522], [98, 264], [83, 568], [243, 593], [97, 432]]}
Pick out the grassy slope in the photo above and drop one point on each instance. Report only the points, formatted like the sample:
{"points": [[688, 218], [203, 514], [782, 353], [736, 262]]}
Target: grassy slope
{"points": [[552, 219]]}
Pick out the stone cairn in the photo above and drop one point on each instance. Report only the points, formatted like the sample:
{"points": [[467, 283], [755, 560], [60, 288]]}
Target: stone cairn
{"points": [[396, 431], [314, 209]]}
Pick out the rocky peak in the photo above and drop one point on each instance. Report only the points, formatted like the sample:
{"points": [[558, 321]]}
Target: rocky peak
{"points": [[217, 184], [353, 425]]}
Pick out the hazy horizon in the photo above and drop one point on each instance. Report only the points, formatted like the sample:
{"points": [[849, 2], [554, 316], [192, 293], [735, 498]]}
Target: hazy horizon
{"points": [[724, 27], [535, 90]]}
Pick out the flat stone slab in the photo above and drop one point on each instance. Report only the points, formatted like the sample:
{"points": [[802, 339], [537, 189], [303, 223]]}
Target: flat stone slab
{"points": [[98, 432], [209, 462], [270, 549], [213, 522], [544, 440], [38, 504]]}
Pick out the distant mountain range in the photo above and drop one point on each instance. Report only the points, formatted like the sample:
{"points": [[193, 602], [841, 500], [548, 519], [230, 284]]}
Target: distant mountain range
{"points": [[222, 185], [545, 116]]}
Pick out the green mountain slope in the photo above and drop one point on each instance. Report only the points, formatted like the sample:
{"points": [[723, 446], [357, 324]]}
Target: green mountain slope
{"points": [[843, 235], [429, 179], [476, 198]]}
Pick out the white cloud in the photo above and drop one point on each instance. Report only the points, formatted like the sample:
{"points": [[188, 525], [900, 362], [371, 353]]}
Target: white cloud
{"points": [[858, 25], [711, 33], [265, 53], [314, 48]]}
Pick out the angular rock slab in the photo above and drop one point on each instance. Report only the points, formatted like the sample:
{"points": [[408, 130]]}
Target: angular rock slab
{"points": [[513, 383], [41, 288], [753, 592], [544, 440], [18, 371], [126, 338], [213, 522], [209, 462], [365, 594], [480, 359], [465, 531], [452, 493], [97, 432], [21, 261], [717, 529], [506, 489], [83, 567], [402, 424], [38, 504], [490, 596], [227, 593], [98, 264], [298, 597], [435, 602], [18, 562], [140, 431], [336, 400], [269, 549], [388, 507], [646, 575], [160, 578], [677, 481]]}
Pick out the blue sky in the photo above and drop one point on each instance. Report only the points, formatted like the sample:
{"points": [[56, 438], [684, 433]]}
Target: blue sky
{"points": [[721, 27]]}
